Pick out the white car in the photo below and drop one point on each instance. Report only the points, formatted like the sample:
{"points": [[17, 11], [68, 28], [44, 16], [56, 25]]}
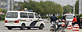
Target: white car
{"points": [[22, 20], [69, 17]]}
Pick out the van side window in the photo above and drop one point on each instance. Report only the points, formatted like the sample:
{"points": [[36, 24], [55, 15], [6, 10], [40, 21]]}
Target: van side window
{"points": [[23, 15], [31, 15], [37, 16]]}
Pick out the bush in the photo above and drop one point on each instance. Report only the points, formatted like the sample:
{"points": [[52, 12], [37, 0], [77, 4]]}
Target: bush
{"points": [[80, 15], [2, 17], [44, 17], [59, 17]]}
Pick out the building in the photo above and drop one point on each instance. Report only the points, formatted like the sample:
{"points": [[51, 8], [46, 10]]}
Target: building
{"points": [[3, 3], [80, 7], [16, 4]]}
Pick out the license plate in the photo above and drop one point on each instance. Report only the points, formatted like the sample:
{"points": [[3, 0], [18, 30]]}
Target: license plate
{"points": [[63, 23], [59, 23], [10, 21]]}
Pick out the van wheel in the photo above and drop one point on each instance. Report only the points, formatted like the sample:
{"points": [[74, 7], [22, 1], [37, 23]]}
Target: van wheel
{"points": [[28, 28], [41, 27], [9, 28], [23, 27]]}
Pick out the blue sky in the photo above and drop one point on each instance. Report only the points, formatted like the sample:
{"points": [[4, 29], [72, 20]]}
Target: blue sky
{"points": [[61, 2]]}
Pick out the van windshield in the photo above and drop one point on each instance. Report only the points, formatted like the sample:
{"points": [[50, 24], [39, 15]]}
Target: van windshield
{"points": [[12, 15], [69, 16]]}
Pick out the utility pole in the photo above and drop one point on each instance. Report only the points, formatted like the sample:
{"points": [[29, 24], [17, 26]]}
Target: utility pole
{"points": [[10, 5], [73, 8]]}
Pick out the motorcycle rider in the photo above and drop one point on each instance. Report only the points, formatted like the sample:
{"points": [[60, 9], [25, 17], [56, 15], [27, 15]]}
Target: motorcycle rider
{"points": [[64, 20], [74, 21], [53, 18], [64, 17]]}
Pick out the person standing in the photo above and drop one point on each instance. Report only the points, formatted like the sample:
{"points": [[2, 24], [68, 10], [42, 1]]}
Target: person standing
{"points": [[74, 21], [78, 20]]}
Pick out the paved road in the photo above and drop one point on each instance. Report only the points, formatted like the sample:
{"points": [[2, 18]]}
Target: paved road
{"points": [[4, 29], [46, 29]]}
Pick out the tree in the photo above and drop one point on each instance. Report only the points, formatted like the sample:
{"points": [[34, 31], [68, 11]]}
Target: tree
{"points": [[1, 10], [41, 7], [68, 9], [2, 16], [77, 7], [51, 7]]}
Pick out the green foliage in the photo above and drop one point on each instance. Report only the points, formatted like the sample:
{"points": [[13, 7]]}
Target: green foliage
{"points": [[80, 15], [1, 10], [59, 17], [41, 7], [2, 17], [44, 17], [77, 7], [68, 9]]}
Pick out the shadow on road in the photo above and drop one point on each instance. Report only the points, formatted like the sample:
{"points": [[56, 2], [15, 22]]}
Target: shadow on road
{"points": [[26, 29]]}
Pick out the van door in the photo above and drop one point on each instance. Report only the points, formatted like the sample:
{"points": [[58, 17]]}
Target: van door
{"points": [[23, 16], [32, 19]]}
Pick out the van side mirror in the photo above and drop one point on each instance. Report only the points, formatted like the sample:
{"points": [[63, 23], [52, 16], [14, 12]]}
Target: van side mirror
{"points": [[39, 17]]}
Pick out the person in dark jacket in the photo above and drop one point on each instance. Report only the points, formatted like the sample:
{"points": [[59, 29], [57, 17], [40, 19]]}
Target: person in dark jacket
{"points": [[64, 17], [53, 18], [78, 20]]}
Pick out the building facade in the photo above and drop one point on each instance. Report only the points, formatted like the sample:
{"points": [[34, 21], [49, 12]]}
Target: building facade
{"points": [[3, 3], [80, 7]]}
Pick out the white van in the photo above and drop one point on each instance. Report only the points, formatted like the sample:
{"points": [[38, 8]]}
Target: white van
{"points": [[22, 20], [69, 17]]}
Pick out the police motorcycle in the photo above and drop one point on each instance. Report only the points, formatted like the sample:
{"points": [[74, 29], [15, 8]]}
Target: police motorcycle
{"points": [[55, 25], [62, 25]]}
